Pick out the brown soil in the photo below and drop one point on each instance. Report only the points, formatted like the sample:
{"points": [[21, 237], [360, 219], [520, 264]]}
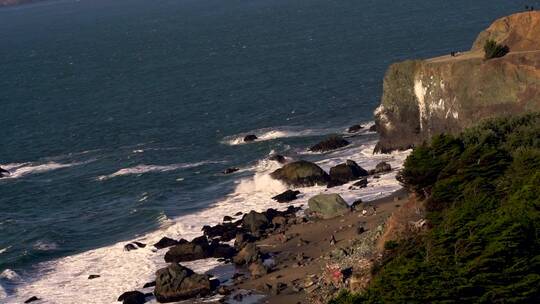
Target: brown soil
{"points": [[313, 240]]}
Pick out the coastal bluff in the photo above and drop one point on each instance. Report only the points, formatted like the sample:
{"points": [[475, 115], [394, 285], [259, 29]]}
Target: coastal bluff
{"points": [[423, 98]]}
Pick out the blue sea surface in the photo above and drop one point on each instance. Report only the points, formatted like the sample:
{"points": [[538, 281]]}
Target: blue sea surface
{"points": [[117, 114]]}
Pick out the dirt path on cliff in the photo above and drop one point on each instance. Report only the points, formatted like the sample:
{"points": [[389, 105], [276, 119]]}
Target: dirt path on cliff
{"points": [[305, 254], [471, 55]]}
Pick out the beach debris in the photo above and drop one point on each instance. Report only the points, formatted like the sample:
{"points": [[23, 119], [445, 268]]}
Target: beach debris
{"points": [[93, 276]]}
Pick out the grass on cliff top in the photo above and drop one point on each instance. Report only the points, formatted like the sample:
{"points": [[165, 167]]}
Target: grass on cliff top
{"points": [[482, 192]]}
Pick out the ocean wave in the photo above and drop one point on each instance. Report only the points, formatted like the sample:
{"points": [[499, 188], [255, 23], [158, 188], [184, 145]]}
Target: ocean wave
{"points": [[122, 271], [17, 170], [45, 246], [141, 169], [271, 134]]}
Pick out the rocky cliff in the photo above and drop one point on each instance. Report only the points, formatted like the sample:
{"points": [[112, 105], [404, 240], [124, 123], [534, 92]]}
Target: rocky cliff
{"points": [[446, 94]]}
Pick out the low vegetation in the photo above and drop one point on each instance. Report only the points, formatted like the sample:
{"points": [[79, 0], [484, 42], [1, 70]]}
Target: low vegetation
{"points": [[494, 50], [482, 196]]}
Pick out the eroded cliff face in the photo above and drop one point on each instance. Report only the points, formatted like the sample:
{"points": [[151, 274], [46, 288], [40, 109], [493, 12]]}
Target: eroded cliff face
{"points": [[447, 94]]}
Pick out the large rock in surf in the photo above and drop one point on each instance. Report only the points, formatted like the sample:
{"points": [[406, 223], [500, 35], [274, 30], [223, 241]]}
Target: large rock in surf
{"points": [[255, 222], [331, 143], [167, 242], [328, 205], [423, 98], [3, 172], [287, 196], [301, 174], [250, 138], [198, 249], [176, 283], [132, 297], [344, 173]]}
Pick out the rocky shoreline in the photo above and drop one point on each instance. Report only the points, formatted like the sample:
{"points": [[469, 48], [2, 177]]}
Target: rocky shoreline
{"points": [[288, 256]]}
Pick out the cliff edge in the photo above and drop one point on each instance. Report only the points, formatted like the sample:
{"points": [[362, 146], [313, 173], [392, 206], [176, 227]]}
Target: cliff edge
{"points": [[446, 94]]}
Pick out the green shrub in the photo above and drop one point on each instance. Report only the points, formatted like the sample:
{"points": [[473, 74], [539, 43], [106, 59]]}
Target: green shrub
{"points": [[390, 245], [494, 50], [482, 190]]}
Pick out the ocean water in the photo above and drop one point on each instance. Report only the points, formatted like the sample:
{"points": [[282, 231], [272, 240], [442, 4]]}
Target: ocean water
{"points": [[117, 118]]}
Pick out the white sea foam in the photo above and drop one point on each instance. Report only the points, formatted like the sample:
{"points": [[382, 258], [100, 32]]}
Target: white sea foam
{"points": [[45, 246], [141, 169], [2, 250], [122, 271], [17, 170], [271, 134]]}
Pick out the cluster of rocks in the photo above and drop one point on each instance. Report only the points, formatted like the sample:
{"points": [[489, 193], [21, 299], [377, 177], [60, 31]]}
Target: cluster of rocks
{"points": [[306, 174], [177, 282]]}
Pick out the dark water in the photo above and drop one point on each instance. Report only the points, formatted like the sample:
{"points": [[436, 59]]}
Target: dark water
{"points": [[93, 87]]}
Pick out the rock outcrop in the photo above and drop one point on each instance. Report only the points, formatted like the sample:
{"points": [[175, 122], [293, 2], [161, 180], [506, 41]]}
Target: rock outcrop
{"points": [[176, 283], [422, 98], [301, 174], [327, 205]]}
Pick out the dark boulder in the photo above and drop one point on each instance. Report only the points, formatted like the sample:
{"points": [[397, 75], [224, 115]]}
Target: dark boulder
{"points": [[3, 172], [130, 246], [93, 276], [255, 222], [227, 218], [383, 167], [139, 244], [176, 282], [287, 196], [373, 128], [355, 128], [149, 284], [250, 138], [344, 173], [331, 143], [328, 205], [197, 249], [301, 174], [230, 170], [32, 299], [242, 239], [187, 252], [225, 232], [362, 183], [249, 254], [278, 158], [165, 242], [132, 297]]}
